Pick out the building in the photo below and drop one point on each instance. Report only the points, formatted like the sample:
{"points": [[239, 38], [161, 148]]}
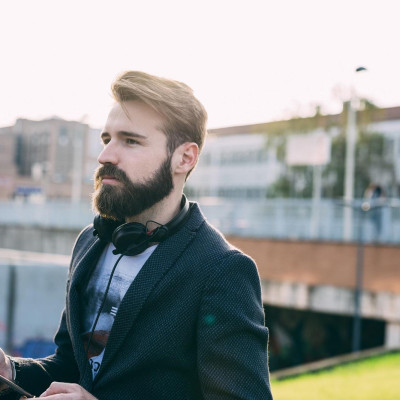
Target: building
{"points": [[8, 170], [238, 165], [54, 158], [249, 161], [51, 158]]}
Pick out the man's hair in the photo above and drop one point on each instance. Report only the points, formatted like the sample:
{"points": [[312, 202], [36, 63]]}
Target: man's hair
{"points": [[185, 116]]}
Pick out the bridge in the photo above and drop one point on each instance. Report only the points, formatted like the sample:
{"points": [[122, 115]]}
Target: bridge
{"points": [[304, 280]]}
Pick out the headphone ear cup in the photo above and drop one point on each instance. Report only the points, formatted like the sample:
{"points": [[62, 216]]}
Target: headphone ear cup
{"points": [[130, 239], [104, 227]]}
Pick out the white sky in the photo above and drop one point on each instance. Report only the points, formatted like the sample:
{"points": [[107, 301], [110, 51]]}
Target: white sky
{"points": [[248, 61]]}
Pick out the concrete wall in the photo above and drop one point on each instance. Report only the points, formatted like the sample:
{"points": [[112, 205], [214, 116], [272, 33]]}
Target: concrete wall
{"points": [[316, 276], [320, 276], [309, 262], [32, 293], [38, 239], [336, 300]]}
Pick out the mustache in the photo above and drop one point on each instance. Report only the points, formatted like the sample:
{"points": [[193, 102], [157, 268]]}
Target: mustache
{"points": [[110, 170]]}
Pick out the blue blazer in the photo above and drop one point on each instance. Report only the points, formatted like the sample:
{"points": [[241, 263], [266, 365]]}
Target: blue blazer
{"points": [[191, 325]]}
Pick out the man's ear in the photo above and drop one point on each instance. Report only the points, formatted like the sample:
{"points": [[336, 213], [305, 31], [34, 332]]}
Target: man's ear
{"points": [[185, 158]]}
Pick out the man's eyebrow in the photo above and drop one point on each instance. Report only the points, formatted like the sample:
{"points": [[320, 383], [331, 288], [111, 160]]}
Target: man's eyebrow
{"points": [[124, 133], [131, 134]]}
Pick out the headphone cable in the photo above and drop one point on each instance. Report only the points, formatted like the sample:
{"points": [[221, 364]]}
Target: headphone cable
{"points": [[98, 315]]}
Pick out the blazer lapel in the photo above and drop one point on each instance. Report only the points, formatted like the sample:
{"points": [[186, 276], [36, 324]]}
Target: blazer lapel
{"points": [[163, 258], [83, 268]]}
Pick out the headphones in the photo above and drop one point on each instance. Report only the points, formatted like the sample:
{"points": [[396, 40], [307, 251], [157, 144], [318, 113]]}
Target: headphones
{"points": [[133, 238]]}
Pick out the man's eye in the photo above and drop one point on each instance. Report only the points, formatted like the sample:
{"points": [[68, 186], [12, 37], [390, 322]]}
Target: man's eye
{"points": [[105, 141], [131, 141]]}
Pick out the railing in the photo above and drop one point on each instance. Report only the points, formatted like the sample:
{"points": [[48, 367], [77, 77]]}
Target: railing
{"points": [[295, 219], [268, 218]]}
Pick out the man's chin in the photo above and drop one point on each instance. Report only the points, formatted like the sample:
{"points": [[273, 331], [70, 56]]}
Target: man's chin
{"points": [[101, 202], [106, 212]]}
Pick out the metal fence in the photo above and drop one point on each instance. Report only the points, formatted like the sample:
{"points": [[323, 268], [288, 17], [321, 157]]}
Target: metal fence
{"points": [[298, 219], [267, 218]]}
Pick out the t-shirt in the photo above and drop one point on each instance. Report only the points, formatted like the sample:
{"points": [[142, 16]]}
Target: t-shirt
{"points": [[125, 272]]}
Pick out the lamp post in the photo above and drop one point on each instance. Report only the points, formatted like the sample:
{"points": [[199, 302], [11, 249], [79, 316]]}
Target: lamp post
{"points": [[356, 339], [351, 140]]}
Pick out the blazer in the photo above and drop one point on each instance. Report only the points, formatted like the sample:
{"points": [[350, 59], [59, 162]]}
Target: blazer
{"points": [[191, 325]]}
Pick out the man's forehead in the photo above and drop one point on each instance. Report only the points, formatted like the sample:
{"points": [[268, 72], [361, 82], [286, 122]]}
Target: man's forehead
{"points": [[134, 115], [117, 111]]}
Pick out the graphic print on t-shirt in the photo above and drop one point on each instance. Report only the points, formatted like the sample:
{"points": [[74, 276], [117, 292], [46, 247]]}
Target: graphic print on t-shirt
{"points": [[124, 274], [94, 295]]}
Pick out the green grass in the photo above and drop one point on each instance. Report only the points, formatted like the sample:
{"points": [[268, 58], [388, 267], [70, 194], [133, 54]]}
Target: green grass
{"points": [[376, 378]]}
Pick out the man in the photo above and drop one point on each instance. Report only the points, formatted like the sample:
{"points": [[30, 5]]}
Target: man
{"points": [[159, 305]]}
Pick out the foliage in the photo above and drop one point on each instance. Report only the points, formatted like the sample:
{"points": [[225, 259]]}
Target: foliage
{"points": [[374, 378], [296, 182], [371, 160]]}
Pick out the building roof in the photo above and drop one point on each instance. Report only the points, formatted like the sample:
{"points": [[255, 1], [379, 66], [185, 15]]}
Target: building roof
{"points": [[372, 115]]}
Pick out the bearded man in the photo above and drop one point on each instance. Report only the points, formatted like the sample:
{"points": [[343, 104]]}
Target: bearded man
{"points": [[158, 304]]}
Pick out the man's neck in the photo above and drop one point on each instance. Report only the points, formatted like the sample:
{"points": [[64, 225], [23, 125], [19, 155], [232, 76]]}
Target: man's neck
{"points": [[162, 212]]}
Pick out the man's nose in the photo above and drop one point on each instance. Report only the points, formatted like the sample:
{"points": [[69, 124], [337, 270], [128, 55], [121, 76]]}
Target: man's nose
{"points": [[109, 154]]}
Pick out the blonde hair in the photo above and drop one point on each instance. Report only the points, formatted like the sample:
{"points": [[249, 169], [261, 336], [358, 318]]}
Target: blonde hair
{"points": [[185, 116]]}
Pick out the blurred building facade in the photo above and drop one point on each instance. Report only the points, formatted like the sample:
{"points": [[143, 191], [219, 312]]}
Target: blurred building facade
{"points": [[54, 158], [235, 165], [8, 170], [249, 161], [51, 158]]}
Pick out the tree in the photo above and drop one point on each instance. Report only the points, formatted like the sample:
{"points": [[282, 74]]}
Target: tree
{"points": [[371, 157]]}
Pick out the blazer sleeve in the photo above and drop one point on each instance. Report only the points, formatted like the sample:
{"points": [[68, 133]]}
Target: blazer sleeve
{"points": [[36, 375], [232, 338]]}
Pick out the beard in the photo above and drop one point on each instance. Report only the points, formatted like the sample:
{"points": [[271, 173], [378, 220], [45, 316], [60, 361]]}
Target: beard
{"points": [[129, 199]]}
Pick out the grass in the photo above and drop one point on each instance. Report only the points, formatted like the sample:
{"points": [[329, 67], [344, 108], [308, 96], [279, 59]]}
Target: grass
{"points": [[375, 378]]}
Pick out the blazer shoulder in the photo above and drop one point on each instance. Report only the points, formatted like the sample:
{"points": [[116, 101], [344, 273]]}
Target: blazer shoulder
{"points": [[83, 240], [212, 248]]}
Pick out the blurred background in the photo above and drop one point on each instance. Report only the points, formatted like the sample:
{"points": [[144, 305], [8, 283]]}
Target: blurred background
{"points": [[301, 168]]}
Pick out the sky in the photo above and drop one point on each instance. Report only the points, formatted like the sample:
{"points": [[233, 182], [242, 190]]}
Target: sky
{"points": [[248, 61]]}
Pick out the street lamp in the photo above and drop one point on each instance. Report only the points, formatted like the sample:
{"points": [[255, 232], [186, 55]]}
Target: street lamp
{"points": [[351, 139]]}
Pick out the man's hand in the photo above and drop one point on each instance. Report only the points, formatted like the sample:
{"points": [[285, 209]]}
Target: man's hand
{"points": [[5, 368], [67, 391]]}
